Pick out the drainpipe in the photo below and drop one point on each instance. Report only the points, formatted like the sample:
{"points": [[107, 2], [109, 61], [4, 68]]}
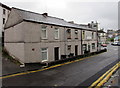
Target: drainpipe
{"points": [[97, 35], [81, 44], [65, 40]]}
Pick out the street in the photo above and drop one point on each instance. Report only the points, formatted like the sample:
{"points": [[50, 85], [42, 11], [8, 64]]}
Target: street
{"points": [[73, 74]]}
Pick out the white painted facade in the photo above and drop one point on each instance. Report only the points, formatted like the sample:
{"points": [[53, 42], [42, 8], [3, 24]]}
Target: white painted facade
{"points": [[3, 16], [24, 38]]}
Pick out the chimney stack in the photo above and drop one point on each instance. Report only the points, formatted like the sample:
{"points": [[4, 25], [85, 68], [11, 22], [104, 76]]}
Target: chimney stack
{"points": [[71, 22], [45, 14]]}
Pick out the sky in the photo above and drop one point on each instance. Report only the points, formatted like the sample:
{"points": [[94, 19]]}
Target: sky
{"points": [[105, 12]]}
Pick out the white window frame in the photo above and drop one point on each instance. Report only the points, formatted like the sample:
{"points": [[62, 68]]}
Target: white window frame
{"points": [[83, 34], [92, 46], [43, 52], [69, 33], [3, 21], [4, 11], [56, 30], [69, 46], [44, 29], [76, 34], [92, 35]]}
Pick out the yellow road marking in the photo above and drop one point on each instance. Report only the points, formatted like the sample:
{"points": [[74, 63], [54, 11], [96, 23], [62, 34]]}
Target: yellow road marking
{"points": [[107, 77], [104, 78], [28, 72]]}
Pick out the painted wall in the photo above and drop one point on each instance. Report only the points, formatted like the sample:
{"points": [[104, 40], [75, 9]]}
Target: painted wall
{"points": [[29, 35], [33, 40], [1, 18], [14, 18], [1, 21], [14, 34], [16, 50], [89, 40]]}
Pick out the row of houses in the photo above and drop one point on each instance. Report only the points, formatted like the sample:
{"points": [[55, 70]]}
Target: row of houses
{"points": [[102, 36], [32, 37], [4, 12], [112, 33]]}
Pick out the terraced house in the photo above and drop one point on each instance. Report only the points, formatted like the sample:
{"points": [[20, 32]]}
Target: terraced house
{"points": [[4, 12], [32, 37]]}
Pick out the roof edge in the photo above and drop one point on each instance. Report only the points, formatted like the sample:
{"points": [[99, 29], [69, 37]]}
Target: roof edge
{"points": [[5, 6]]}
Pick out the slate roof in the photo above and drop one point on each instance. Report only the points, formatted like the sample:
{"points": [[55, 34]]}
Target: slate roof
{"points": [[5, 6], [36, 17], [101, 31]]}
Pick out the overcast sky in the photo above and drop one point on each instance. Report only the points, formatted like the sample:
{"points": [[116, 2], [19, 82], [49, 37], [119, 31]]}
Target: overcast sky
{"points": [[103, 11]]}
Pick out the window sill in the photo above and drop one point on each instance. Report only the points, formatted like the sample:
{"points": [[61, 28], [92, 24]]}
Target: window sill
{"points": [[56, 38], [44, 60], [76, 38], [44, 38]]}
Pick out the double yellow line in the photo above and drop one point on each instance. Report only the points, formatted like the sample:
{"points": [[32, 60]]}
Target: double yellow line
{"points": [[105, 77], [28, 72]]}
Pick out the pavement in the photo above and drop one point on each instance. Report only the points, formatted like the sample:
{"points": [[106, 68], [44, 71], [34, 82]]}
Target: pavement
{"points": [[73, 74], [114, 80], [9, 67]]}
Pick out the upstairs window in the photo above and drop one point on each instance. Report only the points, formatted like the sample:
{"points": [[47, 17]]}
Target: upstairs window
{"points": [[3, 20], [4, 11], [76, 34], [92, 35], [83, 35], [68, 33], [44, 33], [56, 33]]}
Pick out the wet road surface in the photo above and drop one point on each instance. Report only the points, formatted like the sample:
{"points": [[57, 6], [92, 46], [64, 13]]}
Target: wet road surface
{"points": [[74, 74]]}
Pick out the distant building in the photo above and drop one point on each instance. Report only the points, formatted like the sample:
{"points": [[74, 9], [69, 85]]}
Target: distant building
{"points": [[117, 39], [102, 36], [4, 12], [113, 34], [110, 33], [31, 37]]}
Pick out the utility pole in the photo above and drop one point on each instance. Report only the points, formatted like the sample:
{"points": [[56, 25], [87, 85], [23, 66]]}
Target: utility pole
{"points": [[97, 35]]}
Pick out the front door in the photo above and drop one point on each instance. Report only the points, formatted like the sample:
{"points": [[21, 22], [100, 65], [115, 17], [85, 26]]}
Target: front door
{"points": [[76, 50], [56, 53], [88, 48]]}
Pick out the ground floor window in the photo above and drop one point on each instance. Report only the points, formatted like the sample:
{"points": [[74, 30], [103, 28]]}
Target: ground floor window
{"points": [[69, 49], [84, 47], [93, 45], [44, 52]]}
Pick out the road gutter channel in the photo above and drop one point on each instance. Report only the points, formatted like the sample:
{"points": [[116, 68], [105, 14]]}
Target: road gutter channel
{"points": [[45, 68], [105, 77]]}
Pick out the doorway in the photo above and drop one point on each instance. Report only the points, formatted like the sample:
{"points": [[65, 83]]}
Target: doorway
{"points": [[56, 53], [88, 48], [76, 50]]}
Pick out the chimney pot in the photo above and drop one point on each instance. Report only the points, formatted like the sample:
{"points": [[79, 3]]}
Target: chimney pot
{"points": [[45, 14], [71, 22]]}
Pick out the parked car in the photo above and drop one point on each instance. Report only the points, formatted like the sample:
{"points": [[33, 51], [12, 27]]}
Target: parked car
{"points": [[104, 45], [116, 43]]}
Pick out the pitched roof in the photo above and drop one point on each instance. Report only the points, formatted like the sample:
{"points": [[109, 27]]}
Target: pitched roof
{"points": [[36, 17], [101, 31], [5, 6]]}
